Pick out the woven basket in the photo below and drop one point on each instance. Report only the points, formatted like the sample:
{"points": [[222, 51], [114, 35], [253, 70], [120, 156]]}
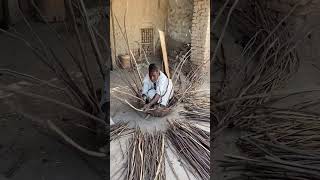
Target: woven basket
{"points": [[125, 61]]}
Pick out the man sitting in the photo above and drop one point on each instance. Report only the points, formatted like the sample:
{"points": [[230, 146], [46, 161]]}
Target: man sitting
{"points": [[157, 88]]}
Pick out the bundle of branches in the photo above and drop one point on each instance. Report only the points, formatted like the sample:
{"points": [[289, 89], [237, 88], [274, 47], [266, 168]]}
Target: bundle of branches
{"points": [[192, 145], [270, 59], [127, 96], [133, 77], [274, 161], [188, 77], [297, 129], [146, 156], [197, 107], [119, 129], [282, 144], [84, 98]]}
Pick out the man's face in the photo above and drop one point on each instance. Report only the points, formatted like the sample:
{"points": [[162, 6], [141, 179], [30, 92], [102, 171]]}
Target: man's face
{"points": [[154, 75]]}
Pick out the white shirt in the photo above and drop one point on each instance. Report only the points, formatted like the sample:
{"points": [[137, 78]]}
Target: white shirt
{"points": [[161, 84]]}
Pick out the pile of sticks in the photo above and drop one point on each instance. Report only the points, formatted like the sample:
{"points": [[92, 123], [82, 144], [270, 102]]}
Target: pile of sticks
{"points": [[146, 158], [146, 153], [269, 59], [197, 107], [132, 78], [293, 128], [187, 78], [272, 45], [274, 161], [118, 130], [282, 144], [192, 145], [82, 95]]}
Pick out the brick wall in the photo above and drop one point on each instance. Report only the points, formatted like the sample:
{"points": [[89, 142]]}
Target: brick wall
{"points": [[180, 20], [200, 37]]}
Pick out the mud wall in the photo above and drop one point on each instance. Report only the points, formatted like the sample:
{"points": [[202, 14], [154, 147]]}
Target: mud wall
{"points": [[179, 22], [200, 38], [140, 14]]}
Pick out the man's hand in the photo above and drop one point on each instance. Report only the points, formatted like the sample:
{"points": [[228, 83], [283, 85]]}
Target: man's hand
{"points": [[146, 107], [144, 97]]}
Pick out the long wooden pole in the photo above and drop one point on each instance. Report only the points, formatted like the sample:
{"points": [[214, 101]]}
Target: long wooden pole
{"points": [[164, 53]]}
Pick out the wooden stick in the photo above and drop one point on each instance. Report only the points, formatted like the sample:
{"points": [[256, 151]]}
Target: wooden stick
{"points": [[160, 162], [71, 142], [55, 102], [164, 53], [135, 62], [114, 89], [125, 101]]}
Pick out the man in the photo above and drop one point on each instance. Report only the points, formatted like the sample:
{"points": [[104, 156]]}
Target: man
{"points": [[157, 88]]}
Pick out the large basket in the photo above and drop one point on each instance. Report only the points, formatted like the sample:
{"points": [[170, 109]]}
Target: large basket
{"points": [[160, 112]]}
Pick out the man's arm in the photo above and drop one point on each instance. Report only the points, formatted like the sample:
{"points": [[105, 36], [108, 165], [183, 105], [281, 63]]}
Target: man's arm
{"points": [[153, 101], [145, 87]]}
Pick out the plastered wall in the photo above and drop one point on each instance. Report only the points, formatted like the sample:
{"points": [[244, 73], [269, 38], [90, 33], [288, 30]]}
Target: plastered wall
{"points": [[179, 23], [140, 14]]}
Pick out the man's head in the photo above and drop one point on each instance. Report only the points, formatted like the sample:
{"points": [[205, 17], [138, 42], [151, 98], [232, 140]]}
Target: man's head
{"points": [[154, 72]]}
